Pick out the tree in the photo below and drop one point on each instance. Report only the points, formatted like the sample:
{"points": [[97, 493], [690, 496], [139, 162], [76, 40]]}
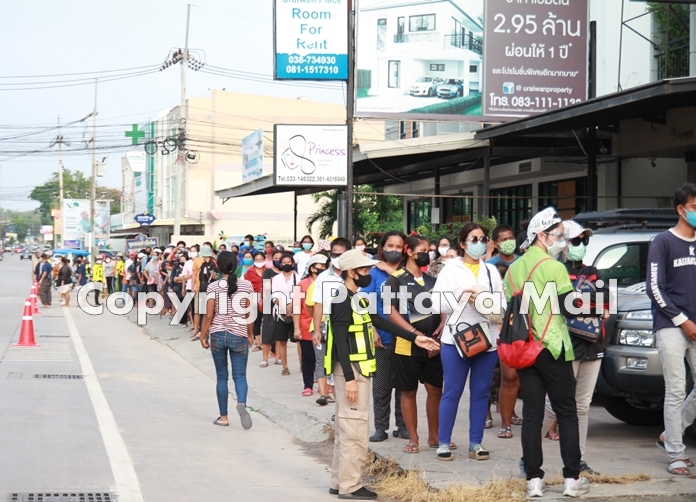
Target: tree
{"points": [[75, 186], [672, 22], [23, 223], [371, 212]]}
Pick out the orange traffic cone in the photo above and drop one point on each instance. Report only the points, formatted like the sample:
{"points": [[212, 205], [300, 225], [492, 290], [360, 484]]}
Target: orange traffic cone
{"points": [[26, 334], [32, 300]]}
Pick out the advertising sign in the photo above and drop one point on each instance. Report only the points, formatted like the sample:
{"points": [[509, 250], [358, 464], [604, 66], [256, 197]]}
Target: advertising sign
{"points": [[141, 242], [310, 154], [252, 156], [46, 229], [311, 40], [140, 192], [144, 220], [536, 60], [76, 219], [419, 59], [136, 161]]}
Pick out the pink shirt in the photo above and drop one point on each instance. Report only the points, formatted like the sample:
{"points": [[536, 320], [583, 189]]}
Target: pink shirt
{"points": [[188, 270]]}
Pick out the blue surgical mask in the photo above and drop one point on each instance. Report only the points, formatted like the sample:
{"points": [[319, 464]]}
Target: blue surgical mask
{"points": [[248, 262], [296, 250], [477, 250], [276, 263], [307, 246], [691, 217]]}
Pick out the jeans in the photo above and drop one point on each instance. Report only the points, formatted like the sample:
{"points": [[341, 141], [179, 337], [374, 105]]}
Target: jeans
{"points": [[680, 409], [308, 363], [456, 370], [221, 343], [554, 376], [586, 373]]}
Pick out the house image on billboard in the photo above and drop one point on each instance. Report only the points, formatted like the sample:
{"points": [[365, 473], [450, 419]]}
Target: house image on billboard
{"points": [[407, 49]]}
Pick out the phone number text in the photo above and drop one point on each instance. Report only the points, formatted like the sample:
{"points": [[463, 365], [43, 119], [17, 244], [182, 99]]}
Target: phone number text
{"points": [[312, 69]]}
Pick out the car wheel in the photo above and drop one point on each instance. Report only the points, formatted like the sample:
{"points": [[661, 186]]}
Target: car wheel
{"points": [[632, 411], [430, 92]]}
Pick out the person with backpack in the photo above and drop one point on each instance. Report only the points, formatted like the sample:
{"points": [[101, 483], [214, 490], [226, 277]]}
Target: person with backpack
{"points": [[671, 286], [587, 334], [546, 364]]}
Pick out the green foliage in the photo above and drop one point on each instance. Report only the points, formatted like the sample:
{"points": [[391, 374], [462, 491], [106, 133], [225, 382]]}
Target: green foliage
{"points": [[672, 22], [371, 213], [25, 222], [451, 230], [455, 106], [75, 186], [660, 14]]}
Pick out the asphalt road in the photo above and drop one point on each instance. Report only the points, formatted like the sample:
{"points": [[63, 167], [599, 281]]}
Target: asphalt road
{"points": [[139, 423]]}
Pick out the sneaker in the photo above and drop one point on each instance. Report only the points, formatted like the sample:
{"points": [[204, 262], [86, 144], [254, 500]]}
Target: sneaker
{"points": [[575, 487], [401, 432], [244, 416], [535, 487], [379, 436], [359, 494], [587, 469]]}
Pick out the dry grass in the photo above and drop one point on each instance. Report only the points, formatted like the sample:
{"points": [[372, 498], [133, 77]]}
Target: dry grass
{"points": [[382, 467], [624, 479], [328, 429]]}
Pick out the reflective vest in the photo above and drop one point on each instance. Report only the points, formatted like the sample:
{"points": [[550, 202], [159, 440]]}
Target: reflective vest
{"points": [[361, 343], [98, 273]]}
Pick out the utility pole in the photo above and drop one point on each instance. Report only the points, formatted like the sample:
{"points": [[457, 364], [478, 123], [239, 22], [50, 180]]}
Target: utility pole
{"points": [[181, 164], [350, 94], [93, 192]]}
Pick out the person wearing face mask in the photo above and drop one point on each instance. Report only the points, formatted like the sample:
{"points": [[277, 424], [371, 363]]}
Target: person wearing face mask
{"points": [[588, 355], [98, 276], [283, 285], [255, 276], [350, 358], [267, 322], [109, 274], [204, 272], [360, 244], [390, 253], [247, 264], [248, 244], [671, 280], [465, 276], [443, 245], [177, 281], [552, 372], [409, 364], [302, 257]]}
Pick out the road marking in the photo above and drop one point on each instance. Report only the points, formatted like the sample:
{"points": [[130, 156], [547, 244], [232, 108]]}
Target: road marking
{"points": [[127, 484], [46, 352]]}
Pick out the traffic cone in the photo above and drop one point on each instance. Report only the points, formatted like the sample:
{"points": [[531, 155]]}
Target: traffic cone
{"points": [[32, 300], [26, 334]]}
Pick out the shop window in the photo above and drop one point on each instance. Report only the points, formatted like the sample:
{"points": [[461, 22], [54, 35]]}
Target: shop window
{"points": [[418, 214], [569, 197], [511, 205], [457, 210]]}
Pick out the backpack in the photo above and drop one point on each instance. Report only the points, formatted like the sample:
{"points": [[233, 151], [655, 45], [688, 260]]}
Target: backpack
{"points": [[517, 347], [586, 328]]}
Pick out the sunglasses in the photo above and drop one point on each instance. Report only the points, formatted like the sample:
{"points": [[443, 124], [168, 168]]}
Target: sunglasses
{"points": [[580, 240], [335, 255], [475, 240]]}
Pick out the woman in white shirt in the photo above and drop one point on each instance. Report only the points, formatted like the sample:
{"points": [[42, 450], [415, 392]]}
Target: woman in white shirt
{"points": [[467, 275], [302, 258], [281, 291]]}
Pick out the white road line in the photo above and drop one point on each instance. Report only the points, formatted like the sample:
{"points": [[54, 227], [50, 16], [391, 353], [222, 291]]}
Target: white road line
{"points": [[127, 484]]}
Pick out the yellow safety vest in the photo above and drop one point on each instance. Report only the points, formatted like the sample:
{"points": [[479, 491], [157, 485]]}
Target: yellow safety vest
{"points": [[98, 273], [361, 344]]}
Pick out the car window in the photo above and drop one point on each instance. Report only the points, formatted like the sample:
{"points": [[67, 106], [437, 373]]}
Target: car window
{"points": [[424, 79], [624, 262]]}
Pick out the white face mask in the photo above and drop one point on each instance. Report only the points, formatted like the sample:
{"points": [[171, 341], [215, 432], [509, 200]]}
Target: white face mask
{"points": [[443, 250], [334, 263], [259, 264], [360, 248], [193, 254], [556, 247]]}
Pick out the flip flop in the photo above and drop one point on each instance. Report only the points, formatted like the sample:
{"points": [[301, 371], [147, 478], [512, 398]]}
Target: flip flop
{"points": [[516, 421], [411, 448], [552, 436], [661, 445], [222, 424], [505, 433], [278, 362], [264, 364], [488, 424], [678, 464], [244, 416]]}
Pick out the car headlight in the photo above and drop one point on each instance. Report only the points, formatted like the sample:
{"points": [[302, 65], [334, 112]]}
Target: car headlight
{"points": [[637, 337], [640, 314]]}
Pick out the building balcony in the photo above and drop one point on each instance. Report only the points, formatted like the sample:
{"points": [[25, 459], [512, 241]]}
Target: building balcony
{"points": [[441, 41]]}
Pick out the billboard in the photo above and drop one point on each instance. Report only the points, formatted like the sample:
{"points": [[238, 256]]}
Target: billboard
{"points": [[536, 61], [76, 219], [310, 154], [136, 161], [252, 156], [436, 61], [311, 40]]}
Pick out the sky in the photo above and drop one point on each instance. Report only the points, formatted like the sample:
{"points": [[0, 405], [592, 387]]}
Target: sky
{"points": [[47, 38]]}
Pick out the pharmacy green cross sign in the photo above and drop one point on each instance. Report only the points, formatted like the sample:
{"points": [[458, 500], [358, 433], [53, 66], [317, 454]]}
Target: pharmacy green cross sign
{"points": [[134, 134]]}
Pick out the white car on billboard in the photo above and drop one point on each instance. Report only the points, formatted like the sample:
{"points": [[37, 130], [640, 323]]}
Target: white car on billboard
{"points": [[425, 86]]}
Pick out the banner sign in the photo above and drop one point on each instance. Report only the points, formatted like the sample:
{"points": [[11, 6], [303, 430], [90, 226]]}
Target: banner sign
{"points": [[310, 154], [252, 156], [141, 242], [144, 220], [136, 161], [46, 229], [535, 60], [76, 219], [311, 40]]}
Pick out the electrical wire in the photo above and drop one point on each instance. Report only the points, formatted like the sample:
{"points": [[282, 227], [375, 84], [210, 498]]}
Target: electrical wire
{"points": [[79, 73]]}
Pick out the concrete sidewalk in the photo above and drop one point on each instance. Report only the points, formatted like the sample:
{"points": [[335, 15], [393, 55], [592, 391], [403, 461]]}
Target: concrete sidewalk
{"points": [[614, 448]]}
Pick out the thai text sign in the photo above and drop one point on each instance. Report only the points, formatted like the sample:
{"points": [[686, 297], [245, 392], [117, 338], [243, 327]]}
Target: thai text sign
{"points": [[535, 54], [311, 40], [310, 155]]}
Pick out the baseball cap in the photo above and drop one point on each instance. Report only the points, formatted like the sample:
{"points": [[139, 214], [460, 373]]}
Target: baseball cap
{"points": [[157, 250], [572, 229], [540, 222], [355, 258], [141, 255], [206, 251], [317, 258]]}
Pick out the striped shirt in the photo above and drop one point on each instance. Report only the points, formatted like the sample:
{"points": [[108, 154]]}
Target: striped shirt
{"points": [[229, 313]]}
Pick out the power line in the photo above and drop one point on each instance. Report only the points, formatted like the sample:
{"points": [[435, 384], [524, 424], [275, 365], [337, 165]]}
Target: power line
{"points": [[79, 73]]}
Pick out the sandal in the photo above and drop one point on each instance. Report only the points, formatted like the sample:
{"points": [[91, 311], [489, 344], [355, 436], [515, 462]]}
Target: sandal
{"points": [[285, 372], [222, 424], [516, 421], [256, 348], [505, 433], [444, 453], [411, 448], [278, 362], [307, 392], [479, 453], [452, 446], [678, 467], [661, 445], [330, 399], [264, 364], [488, 424], [322, 401], [553, 436]]}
